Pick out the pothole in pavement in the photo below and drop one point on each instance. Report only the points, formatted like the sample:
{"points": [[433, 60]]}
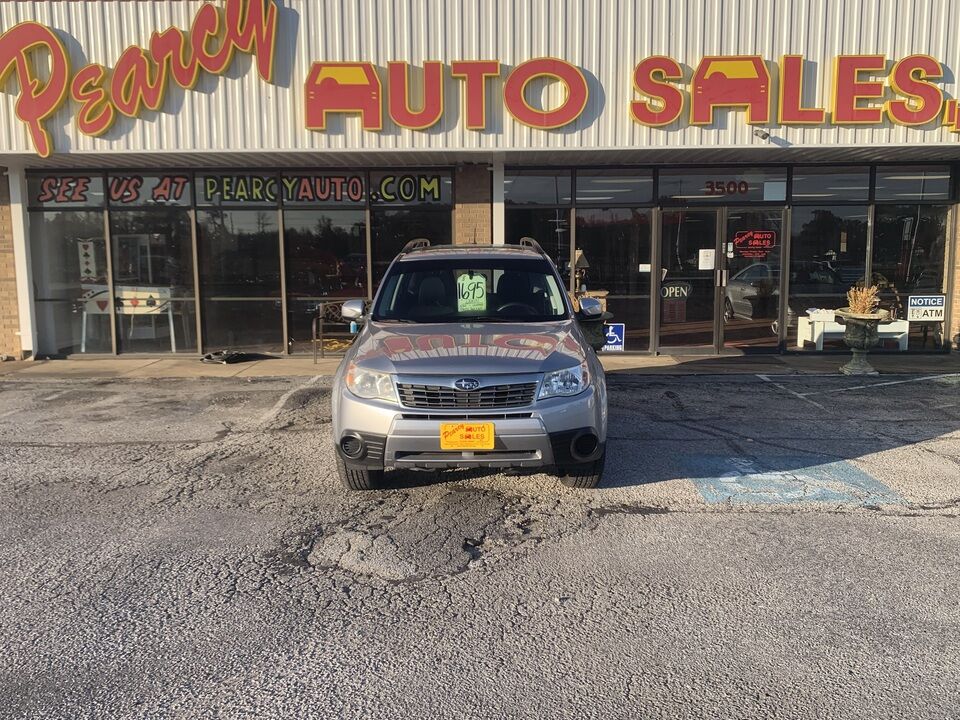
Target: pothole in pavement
{"points": [[406, 537]]}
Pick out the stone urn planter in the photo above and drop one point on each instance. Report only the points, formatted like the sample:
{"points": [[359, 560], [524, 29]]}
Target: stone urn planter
{"points": [[860, 334]]}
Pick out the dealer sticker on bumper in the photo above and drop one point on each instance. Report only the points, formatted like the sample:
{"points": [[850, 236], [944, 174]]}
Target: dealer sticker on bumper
{"points": [[466, 436]]}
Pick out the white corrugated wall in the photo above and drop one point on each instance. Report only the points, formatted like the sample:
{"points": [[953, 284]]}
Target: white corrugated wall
{"points": [[606, 38]]}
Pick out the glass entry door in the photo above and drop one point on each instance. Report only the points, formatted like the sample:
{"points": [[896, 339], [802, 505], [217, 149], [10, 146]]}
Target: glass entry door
{"points": [[751, 278], [689, 242]]}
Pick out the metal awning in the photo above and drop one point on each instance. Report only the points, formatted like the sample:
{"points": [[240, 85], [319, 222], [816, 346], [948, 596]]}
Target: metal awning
{"points": [[545, 157]]}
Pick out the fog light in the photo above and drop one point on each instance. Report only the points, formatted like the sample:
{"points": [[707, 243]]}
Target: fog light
{"points": [[583, 446], [352, 446]]}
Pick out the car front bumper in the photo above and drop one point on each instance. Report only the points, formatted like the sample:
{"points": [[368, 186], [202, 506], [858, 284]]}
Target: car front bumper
{"points": [[538, 435]]}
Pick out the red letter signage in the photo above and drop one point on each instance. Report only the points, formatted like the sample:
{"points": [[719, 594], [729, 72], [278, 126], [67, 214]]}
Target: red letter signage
{"points": [[140, 76], [665, 102], [792, 111], [38, 99], [399, 96], [515, 100], [343, 87], [474, 74], [848, 89], [730, 81], [908, 78]]}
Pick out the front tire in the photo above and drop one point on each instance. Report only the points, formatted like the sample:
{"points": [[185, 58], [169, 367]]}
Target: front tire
{"points": [[584, 476], [358, 478]]}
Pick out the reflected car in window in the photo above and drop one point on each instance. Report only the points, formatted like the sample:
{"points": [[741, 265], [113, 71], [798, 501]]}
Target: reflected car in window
{"points": [[752, 293]]}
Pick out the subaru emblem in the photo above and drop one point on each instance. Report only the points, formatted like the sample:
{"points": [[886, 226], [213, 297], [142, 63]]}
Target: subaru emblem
{"points": [[466, 384]]}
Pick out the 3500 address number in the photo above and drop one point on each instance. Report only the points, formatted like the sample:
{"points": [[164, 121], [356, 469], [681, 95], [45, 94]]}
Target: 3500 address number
{"points": [[730, 187]]}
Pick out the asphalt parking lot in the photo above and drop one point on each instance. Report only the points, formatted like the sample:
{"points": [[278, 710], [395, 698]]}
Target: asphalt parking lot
{"points": [[761, 547]]}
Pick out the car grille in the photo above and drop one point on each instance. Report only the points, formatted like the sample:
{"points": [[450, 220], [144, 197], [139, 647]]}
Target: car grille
{"points": [[440, 397]]}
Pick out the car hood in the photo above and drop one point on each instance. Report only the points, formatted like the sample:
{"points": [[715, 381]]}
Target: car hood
{"points": [[469, 348]]}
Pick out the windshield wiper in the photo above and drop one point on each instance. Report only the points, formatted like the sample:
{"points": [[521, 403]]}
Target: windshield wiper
{"points": [[404, 321]]}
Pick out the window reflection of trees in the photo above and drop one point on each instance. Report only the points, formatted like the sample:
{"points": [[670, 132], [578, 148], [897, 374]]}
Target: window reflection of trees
{"points": [[239, 252], [326, 253]]}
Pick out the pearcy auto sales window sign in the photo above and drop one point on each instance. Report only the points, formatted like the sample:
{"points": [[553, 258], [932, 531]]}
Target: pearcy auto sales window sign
{"points": [[865, 89]]}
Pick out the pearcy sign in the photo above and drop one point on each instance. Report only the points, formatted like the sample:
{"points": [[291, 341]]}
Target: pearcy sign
{"points": [[865, 89], [234, 188]]}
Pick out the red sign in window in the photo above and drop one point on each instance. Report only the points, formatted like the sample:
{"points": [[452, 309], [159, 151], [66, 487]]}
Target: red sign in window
{"points": [[754, 243]]}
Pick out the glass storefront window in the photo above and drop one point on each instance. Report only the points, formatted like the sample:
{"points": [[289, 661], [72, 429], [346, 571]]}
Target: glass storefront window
{"points": [[237, 189], [61, 190], [723, 186], [239, 254], [909, 247], [549, 227], [129, 189], [537, 187], [153, 280], [614, 185], [913, 183], [613, 264], [69, 263], [323, 189], [391, 229], [820, 185], [325, 211], [828, 256], [406, 187], [326, 258]]}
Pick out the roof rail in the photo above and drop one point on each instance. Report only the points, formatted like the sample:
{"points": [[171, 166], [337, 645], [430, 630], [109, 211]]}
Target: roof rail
{"points": [[415, 244], [529, 242]]}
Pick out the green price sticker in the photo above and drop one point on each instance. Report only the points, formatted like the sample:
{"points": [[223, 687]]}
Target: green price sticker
{"points": [[471, 293]]}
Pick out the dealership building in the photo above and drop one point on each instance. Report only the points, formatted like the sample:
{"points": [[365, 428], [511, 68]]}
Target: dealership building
{"points": [[185, 177]]}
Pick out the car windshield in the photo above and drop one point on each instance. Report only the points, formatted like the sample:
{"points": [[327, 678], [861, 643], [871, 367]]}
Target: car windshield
{"points": [[494, 289]]}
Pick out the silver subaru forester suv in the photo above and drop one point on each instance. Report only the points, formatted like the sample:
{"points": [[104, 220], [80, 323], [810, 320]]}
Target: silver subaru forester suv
{"points": [[470, 356]]}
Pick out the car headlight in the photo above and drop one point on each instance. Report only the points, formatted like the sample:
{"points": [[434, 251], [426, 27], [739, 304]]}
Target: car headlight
{"points": [[370, 384], [569, 381]]}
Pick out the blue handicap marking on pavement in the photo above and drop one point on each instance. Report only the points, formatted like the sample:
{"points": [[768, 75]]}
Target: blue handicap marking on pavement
{"points": [[614, 333], [787, 479]]}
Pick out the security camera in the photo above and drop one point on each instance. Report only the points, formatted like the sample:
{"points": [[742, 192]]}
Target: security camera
{"points": [[762, 134]]}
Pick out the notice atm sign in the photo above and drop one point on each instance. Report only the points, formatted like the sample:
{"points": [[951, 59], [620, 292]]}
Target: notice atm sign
{"points": [[926, 308]]}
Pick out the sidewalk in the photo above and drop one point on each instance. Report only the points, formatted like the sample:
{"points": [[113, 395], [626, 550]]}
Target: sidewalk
{"points": [[893, 364]]}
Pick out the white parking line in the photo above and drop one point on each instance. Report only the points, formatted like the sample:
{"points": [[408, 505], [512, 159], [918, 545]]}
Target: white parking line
{"points": [[881, 384], [272, 413], [801, 396]]}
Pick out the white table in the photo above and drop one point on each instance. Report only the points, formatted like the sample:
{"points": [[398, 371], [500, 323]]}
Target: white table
{"points": [[814, 330]]}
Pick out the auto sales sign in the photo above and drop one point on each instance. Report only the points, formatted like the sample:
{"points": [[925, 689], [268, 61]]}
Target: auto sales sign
{"points": [[863, 89]]}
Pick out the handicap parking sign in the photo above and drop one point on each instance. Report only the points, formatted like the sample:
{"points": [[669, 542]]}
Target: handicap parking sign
{"points": [[614, 333]]}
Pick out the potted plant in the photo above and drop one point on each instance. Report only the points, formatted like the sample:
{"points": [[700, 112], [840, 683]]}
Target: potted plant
{"points": [[860, 319]]}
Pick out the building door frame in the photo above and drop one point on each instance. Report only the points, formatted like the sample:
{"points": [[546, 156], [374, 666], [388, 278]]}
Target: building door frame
{"points": [[715, 346], [782, 287], [720, 281]]}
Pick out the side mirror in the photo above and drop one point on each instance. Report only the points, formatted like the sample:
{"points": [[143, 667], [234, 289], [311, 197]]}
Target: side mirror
{"points": [[352, 310], [590, 308]]}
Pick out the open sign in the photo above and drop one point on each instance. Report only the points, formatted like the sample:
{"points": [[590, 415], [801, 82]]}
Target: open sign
{"points": [[676, 291]]}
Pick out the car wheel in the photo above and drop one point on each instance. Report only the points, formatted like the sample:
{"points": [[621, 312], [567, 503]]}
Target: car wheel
{"points": [[360, 478], [583, 475], [727, 310]]}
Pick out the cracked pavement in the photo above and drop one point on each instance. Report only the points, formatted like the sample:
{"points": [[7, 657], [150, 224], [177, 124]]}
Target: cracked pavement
{"points": [[781, 547]]}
